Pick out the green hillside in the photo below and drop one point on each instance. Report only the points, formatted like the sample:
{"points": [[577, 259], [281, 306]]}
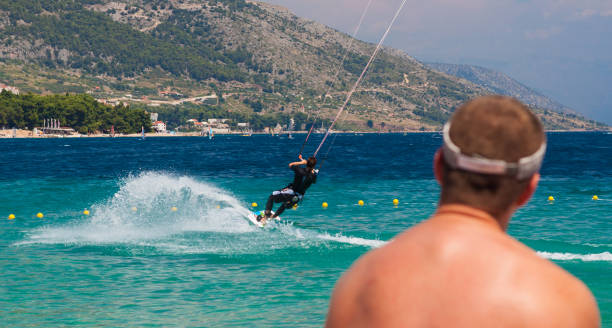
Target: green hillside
{"points": [[99, 45], [81, 112], [262, 60]]}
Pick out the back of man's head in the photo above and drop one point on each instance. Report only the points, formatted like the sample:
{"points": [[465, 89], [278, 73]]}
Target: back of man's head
{"points": [[311, 162], [495, 128]]}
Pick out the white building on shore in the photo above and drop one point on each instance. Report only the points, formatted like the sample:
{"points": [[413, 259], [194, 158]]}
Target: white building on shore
{"points": [[159, 126]]}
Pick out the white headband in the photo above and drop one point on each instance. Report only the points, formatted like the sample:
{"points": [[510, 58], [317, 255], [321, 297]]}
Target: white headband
{"points": [[526, 166]]}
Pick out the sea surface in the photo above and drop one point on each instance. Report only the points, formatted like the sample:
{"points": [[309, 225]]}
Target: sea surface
{"points": [[134, 262]]}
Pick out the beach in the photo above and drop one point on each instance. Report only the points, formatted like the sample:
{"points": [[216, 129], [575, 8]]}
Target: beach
{"points": [[20, 133]]}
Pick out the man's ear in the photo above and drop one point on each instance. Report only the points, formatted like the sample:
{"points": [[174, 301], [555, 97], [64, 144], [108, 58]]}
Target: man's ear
{"points": [[529, 190], [438, 166]]}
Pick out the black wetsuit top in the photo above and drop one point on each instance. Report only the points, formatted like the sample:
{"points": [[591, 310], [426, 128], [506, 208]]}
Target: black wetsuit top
{"points": [[302, 179]]}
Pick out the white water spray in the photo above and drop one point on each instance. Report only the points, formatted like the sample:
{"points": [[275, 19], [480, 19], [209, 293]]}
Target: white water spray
{"points": [[207, 220]]}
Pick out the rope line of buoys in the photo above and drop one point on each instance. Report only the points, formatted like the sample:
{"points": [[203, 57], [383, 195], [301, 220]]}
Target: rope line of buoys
{"points": [[396, 202], [324, 205]]}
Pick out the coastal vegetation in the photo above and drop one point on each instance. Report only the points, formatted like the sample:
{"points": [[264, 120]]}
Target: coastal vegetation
{"points": [[80, 112], [274, 64], [118, 49], [177, 116]]}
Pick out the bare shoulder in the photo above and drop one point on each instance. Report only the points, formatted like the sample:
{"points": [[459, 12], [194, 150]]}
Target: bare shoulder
{"points": [[578, 306], [550, 289], [509, 284], [357, 299]]}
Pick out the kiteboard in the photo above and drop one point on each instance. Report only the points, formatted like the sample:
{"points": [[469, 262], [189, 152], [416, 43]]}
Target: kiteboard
{"points": [[253, 218]]}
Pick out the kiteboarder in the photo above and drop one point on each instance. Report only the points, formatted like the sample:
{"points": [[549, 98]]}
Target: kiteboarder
{"points": [[292, 194]]}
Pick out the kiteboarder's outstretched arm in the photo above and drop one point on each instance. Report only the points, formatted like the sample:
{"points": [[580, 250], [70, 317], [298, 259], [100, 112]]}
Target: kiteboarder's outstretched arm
{"points": [[301, 162]]}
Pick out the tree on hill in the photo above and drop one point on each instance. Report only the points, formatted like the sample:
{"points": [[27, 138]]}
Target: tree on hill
{"points": [[80, 112]]}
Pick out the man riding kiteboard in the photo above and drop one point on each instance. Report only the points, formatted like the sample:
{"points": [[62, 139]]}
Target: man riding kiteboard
{"points": [[294, 192]]}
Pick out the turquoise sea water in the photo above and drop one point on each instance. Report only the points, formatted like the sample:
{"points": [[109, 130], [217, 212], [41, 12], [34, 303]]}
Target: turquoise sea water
{"points": [[206, 266]]}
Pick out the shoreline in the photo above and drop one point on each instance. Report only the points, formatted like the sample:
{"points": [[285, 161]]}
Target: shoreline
{"points": [[27, 134]]}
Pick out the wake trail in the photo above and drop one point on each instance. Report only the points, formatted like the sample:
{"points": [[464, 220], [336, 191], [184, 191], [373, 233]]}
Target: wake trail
{"points": [[208, 220], [596, 257], [179, 214]]}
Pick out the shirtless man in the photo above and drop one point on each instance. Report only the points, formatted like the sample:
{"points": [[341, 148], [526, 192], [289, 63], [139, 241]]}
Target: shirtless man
{"points": [[459, 268]]}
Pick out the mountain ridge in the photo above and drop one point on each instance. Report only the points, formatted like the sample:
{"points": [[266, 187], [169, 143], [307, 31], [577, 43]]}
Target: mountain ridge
{"points": [[500, 83], [247, 52]]}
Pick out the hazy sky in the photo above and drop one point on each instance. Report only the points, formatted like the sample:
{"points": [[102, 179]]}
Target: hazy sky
{"points": [[562, 48]]}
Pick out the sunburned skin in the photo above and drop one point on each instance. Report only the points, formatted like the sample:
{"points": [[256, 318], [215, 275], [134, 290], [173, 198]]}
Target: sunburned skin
{"points": [[459, 269]]}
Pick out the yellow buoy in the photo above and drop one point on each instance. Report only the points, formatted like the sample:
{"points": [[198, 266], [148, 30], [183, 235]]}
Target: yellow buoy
{"points": [[254, 205], [11, 217], [595, 197], [551, 198], [396, 202], [39, 215], [174, 209], [218, 206], [134, 209], [295, 206], [325, 205], [86, 212], [360, 203]]}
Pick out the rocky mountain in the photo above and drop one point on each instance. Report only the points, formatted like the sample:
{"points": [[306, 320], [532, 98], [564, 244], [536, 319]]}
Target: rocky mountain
{"points": [[500, 83], [261, 59]]}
